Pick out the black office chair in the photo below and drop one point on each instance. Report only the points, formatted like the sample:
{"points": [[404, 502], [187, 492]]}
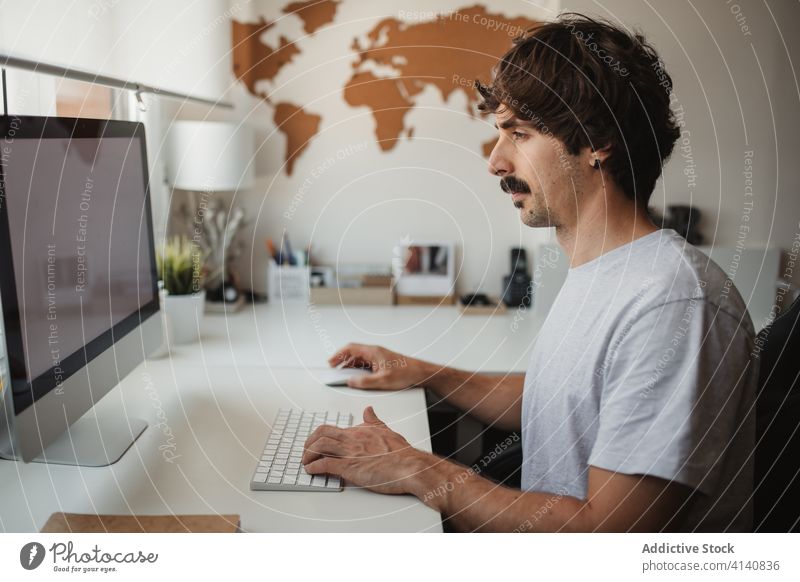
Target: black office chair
{"points": [[506, 467], [776, 501]]}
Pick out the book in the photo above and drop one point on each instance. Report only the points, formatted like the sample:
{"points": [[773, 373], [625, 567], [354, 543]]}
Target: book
{"points": [[87, 523]]}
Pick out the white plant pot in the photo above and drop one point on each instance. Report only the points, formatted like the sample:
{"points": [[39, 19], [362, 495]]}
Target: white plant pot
{"points": [[166, 328], [185, 313]]}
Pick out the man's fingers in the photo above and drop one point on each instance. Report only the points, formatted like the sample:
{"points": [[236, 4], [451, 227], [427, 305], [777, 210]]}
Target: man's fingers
{"points": [[370, 417], [323, 446], [325, 430], [341, 355], [325, 465], [355, 352], [338, 358]]}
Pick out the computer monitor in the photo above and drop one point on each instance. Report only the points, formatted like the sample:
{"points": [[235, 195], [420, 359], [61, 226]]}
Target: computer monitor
{"points": [[78, 284]]}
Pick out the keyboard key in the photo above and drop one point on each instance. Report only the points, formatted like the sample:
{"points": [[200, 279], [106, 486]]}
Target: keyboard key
{"points": [[279, 466]]}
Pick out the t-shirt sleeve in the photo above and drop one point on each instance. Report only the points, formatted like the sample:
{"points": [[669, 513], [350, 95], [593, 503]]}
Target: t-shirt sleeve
{"points": [[677, 383]]}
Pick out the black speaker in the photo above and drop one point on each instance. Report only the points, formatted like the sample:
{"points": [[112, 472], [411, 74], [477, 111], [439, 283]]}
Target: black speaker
{"points": [[517, 287]]}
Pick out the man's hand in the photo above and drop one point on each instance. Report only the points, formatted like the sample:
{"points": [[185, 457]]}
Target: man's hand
{"points": [[390, 370], [495, 400], [375, 457], [370, 455]]}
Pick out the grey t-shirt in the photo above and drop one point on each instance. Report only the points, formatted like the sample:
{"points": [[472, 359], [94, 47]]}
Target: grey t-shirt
{"points": [[643, 367]]}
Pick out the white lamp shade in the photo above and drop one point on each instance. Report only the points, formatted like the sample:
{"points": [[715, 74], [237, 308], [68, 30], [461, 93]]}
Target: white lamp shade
{"points": [[209, 155]]}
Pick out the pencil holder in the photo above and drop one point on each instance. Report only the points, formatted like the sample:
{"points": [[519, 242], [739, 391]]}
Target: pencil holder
{"points": [[287, 283]]}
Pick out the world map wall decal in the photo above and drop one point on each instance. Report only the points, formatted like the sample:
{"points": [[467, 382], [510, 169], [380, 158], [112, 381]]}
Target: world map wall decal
{"points": [[446, 52]]}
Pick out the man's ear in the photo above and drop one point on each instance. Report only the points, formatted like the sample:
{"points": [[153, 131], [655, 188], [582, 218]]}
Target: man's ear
{"points": [[597, 156]]}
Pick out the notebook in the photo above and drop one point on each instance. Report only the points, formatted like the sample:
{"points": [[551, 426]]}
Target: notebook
{"points": [[88, 523]]}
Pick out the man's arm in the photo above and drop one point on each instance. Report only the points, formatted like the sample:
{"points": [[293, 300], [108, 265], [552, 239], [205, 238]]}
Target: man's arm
{"points": [[616, 502], [373, 456], [492, 399], [489, 398]]}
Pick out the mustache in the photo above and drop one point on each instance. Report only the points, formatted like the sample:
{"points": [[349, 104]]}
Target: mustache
{"points": [[509, 184]]}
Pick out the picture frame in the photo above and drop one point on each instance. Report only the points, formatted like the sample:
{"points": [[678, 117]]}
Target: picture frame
{"points": [[424, 268]]}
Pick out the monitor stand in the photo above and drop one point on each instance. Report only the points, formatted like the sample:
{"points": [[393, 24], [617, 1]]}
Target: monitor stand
{"points": [[93, 441]]}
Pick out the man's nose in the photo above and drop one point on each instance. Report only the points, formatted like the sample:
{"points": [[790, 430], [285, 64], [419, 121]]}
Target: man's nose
{"points": [[499, 165]]}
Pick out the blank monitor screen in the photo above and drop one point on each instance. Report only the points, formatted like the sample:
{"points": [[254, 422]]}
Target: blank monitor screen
{"points": [[78, 224]]}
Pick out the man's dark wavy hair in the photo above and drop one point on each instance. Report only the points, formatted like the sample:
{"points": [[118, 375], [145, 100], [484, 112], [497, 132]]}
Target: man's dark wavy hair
{"points": [[591, 84]]}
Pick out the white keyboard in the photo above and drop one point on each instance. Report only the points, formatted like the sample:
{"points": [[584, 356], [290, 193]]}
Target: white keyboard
{"points": [[279, 468]]}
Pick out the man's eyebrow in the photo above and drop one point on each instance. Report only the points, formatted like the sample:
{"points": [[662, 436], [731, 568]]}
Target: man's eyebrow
{"points": [[513, 122]]}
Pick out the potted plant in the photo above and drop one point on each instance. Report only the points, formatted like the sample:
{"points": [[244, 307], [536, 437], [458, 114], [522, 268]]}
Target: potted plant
{"points": [[180, 271]]}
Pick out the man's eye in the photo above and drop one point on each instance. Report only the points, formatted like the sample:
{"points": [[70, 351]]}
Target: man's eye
{"points": [[518, 135]]}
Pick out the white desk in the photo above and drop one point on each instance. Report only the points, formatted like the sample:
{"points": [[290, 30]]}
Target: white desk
{"points": [[294, 335], [210, 404]]}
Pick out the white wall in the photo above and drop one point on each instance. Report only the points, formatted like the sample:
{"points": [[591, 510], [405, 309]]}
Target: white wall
{"points": [[434, 186], [739, 91], [181, 46], [363, 204]]}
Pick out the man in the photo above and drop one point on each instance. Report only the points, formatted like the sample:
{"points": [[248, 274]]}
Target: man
{"points": [[636, 412]]}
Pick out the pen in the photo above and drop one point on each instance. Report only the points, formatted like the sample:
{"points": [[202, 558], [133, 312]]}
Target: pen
{"points": [[286, 245], [271, 249]]}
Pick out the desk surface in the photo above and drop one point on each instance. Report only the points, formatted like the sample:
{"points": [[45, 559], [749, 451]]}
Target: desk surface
{"points": [[206, 427], [301, 336], [209, 406]]}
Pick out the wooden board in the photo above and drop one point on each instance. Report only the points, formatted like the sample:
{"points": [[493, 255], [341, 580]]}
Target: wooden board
{"points": [[426, 300], [88, 523], [351, 296]]}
